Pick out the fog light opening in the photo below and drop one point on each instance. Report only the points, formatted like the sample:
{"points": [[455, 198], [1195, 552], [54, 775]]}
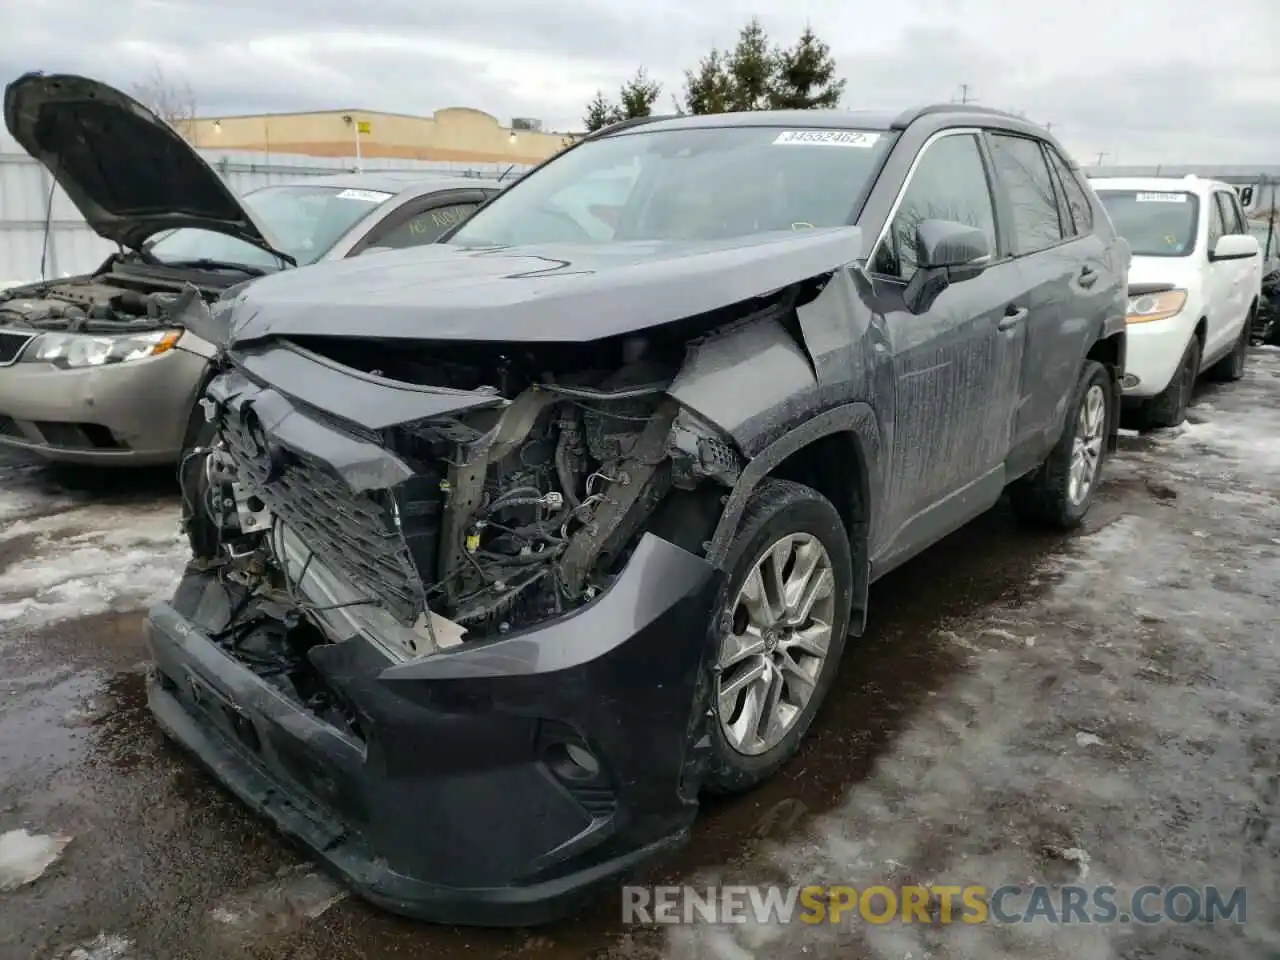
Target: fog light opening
{"points": [[1129, 381], [573, 762]]}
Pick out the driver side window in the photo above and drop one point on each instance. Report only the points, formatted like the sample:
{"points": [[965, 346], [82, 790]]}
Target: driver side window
{"points": [[949, 183]]}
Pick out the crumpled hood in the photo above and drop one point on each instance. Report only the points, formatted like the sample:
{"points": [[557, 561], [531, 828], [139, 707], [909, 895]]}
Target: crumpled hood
{"points": [[129, 173], [533, 293]]}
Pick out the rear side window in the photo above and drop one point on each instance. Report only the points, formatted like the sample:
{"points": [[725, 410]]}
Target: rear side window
{"points": [[425, 227], [948, 183], [1217, 223], [1232, 215], [1020, 167], [1077, 200]]}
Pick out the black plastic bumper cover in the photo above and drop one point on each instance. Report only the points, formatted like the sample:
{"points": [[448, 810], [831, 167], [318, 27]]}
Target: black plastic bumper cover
{"points": [[463, 803]]}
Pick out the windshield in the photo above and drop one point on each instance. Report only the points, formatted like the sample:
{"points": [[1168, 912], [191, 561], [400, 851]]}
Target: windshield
{"points": [[306, 220], [695, 184], [1156, 224]]}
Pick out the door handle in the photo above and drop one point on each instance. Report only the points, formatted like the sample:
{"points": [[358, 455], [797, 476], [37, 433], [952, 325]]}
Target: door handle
{"points": [[1088, 276], [1012, 317]]}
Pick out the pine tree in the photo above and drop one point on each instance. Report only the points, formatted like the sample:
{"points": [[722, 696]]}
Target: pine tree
{"points": [[805, 76], [638, 95], [600, 113], [751, 76], [751, 67], [707, 89]]}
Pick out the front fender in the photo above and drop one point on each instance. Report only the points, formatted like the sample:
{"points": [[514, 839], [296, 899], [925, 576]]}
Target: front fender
{"points": [[856, 419]]}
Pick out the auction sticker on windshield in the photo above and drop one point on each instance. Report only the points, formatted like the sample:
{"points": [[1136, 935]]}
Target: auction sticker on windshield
{"points": [[827, 138], [1162, 198], [368, 196]]}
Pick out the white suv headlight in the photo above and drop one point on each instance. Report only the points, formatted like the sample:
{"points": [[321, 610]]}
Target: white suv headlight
{"points": [[1156, 306]]}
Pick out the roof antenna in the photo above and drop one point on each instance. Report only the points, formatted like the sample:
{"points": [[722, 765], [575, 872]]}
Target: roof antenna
{"points": [[48, 229]]}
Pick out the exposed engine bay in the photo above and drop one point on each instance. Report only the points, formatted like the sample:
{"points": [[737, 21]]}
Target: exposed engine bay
{"points": [[104, 303], [517, 509]]}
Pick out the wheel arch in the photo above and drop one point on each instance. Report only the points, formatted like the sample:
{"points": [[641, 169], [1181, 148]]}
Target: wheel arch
{"points": [[839, 454], [1112, 352]]}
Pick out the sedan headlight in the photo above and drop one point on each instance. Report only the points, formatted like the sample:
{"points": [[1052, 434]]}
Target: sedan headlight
{"points": [[1156, 306], [73, 350]]}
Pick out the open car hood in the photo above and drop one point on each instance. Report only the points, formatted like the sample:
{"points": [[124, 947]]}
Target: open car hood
{"points": [[130, 174]]}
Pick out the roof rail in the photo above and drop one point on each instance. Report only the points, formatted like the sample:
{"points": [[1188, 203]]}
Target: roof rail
{"points": [[912, 114], [625, 125]]}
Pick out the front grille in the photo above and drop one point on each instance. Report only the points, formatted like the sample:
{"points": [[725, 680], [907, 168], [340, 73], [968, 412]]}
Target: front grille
{"points": [[353, 534], [12, 343]]}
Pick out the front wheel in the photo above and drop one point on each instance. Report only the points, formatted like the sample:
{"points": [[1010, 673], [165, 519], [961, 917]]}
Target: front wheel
{"points": [[1169, 407], [778, 629], [1060, 492], [1231, 367]]}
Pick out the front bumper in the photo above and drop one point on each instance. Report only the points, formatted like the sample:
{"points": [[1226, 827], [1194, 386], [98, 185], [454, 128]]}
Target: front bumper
{"points": [[1154, 351], [462, 803], [129, 413]]}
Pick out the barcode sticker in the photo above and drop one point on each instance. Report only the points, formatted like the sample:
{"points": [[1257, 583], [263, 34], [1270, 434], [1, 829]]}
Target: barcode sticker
{"points": [[827, 138], [368, 196]]}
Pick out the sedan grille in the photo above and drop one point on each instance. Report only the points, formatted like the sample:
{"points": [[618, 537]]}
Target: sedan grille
{"points": [[353, 534], [12, 344]]}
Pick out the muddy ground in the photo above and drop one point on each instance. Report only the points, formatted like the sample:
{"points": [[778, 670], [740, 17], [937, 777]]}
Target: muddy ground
{"points": [[1111, 694]]}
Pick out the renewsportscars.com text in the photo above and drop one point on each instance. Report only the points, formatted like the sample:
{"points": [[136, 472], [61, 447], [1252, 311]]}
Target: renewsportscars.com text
{"points": [[1006, 904]]}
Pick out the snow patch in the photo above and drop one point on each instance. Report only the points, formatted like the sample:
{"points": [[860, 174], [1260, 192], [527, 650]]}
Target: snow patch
{"points": [[104, 946], [1249, 441], [90, 560], [16, 504], [24, 857], [295, 895]]}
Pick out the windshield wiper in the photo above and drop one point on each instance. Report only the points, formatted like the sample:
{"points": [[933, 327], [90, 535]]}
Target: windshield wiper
{"points": [[204, 263]]}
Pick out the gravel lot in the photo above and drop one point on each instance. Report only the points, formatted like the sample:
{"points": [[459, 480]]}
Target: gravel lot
{"points": [[1024, 708]]}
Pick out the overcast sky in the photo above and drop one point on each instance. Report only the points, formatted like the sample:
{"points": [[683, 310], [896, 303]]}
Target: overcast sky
{"points": [[1145, 81]]}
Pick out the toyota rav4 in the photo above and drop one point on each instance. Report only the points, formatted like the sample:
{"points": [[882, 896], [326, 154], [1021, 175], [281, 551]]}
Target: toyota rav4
{"points": [[511, 547]]}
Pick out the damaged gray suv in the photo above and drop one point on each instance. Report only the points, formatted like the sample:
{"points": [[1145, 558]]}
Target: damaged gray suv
{"points": [[511, 547]]}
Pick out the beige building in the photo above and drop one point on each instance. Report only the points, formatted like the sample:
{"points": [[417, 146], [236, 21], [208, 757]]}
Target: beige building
{"points": [[455, 133]]}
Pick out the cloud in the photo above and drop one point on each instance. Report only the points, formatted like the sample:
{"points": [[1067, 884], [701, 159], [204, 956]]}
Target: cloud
{"points": [[1145, 81]]}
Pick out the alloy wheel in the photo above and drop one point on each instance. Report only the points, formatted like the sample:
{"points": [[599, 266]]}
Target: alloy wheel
{"points": [[1086, 447], [773, 653]]}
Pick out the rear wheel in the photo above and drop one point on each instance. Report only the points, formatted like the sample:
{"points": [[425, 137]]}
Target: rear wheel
{"points": [[778, 631], [1169, 408], [1060, 492], [1231, 367]]}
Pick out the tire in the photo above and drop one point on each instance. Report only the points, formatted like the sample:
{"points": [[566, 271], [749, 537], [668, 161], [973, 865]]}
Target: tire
{"points": [[1048, 497], [1169, 408], [778, 510], [1231, 367]]}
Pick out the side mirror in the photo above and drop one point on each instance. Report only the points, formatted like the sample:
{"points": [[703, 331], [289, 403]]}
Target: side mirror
{"points": [[947, 245], [1235, 246], [947, 252]]}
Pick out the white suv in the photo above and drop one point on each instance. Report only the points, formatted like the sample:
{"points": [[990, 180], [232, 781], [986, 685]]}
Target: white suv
{"points": [[1194, 284]]}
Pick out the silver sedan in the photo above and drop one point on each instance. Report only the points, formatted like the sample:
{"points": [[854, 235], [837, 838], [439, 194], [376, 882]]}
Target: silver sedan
{"points": [[93, 369]]}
